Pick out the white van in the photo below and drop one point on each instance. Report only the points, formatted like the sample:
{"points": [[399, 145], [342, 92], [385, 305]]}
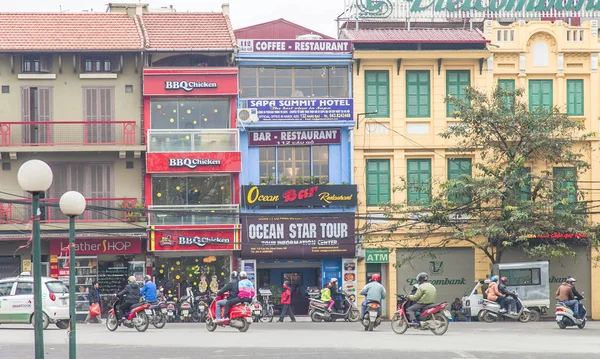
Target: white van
{"points": [[16, 301]]}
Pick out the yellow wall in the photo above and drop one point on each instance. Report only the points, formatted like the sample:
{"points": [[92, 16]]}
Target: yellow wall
{"points": [[571, 55]]}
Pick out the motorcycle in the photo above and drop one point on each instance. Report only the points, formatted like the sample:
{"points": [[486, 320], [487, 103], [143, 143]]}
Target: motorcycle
{"points": [[319, 310], [434, 317], [565, 317], [137, 316], [240, 316], [185, 304], [155, 314], [200, 308], [491, 311], [171, 305], [372, 317]]}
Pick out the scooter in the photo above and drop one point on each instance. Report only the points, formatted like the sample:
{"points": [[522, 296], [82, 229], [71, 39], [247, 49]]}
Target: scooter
{"points": [[185, 305], [319, 310], [491, 311], [372, 317], [434, 317], [240, 316], [200, 308], [137, 316], [171, 308], [565, 317]]}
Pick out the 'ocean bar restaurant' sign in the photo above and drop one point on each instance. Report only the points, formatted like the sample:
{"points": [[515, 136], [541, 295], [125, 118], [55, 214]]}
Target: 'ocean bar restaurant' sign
{"points": [[504, 5]]}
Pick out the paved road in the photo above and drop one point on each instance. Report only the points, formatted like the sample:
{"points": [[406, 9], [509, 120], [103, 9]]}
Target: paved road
{"points": [[309, 340]]}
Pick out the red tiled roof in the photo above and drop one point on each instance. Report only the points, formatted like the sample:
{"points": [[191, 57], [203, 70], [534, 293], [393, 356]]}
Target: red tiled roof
{"points": [[187, 31], [276, 29], [59, 32], [415, 36]]}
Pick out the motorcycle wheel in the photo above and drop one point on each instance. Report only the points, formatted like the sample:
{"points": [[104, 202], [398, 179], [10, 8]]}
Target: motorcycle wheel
{"points": [[314, 317], [399, 324], [524, 317], [245, 327], [561, 325], [145, 322], [441, 330], [354, 315], [210, 325], [534, 315], [195, 317], [111, 322], [159, 320], [582, 325], [62, 324], [487, 317]]}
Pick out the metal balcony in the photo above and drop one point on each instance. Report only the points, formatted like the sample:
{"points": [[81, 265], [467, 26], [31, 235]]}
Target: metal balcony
{"points": [[207, 140], [57, 133], [193, 215]]}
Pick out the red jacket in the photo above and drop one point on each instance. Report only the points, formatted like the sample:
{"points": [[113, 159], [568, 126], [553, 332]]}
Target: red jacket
{"points": [[286, 296]]}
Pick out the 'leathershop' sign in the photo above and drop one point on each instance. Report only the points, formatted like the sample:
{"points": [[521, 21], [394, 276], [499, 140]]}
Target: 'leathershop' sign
{"points": [[299, 196]]}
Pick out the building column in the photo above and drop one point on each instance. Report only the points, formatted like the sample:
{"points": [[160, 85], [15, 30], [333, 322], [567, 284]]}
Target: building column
{"points": [[391, 286]]}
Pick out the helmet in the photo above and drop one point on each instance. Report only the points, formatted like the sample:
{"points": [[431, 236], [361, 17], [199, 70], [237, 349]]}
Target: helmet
{"points": [[375, 277], [234, 275], [503, 279], [147, 278], [571, 280], [243, 275], [494, 279], [131, 279], [422, 277], [333, 280]]}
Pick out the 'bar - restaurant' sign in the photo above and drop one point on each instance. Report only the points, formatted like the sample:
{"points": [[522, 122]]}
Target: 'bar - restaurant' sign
{"points": [[327, 136], [299, 196]]}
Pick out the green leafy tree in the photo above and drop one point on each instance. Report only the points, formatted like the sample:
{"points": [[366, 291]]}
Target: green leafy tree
{"points": [[523, 183]]}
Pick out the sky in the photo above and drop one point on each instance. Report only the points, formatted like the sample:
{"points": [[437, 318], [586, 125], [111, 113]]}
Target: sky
{"points": [[318, 15]]}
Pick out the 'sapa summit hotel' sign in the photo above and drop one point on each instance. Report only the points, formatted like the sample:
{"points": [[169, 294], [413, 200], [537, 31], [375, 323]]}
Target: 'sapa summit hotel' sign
{"points": [[504, 5]]}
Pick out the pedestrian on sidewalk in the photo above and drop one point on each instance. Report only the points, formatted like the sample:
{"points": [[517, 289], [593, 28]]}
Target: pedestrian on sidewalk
{"points": [[286, 301], [94, 300]]}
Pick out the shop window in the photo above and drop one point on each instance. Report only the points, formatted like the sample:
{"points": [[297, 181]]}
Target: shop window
{"points": [[565, 182], [521, 277], [205, 274], [540, 94], [419, 182], [290, 82], [378, 182], [458, 167], [294, 165], [193, 190], [456, 85], [377, 93], [575, 97], [507, 85], [37, 63], [418, 94], [100, 64], [192, 114]]}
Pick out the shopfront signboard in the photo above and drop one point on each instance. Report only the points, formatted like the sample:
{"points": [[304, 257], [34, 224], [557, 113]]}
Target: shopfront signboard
{"points": [[194, 240], [249, 266], [314, 236], [297, 46], [299, 196], [349, 276], [98, 246], [167, 162], [190, 82], [302, 109], [373, 255], [297, 137]]}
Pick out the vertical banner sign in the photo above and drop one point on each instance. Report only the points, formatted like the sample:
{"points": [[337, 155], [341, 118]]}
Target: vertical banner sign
{"points": [[349, 277], [249, 266]]}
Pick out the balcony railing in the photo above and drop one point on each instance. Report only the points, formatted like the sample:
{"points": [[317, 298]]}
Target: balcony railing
{"points": [[193, 215], [56, 133], [21, 213], [207, 140]]}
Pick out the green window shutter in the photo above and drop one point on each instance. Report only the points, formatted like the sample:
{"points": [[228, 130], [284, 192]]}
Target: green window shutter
{"points": [[525, 191], [508, 85], [377, 95], [566, 178], [419, 182], [456, 82], [458, 167], [418, 90], [575, 97], [540, 94], [378, 182]]}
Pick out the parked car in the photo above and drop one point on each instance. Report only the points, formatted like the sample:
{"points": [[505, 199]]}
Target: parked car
{"points": [[16, 301]]}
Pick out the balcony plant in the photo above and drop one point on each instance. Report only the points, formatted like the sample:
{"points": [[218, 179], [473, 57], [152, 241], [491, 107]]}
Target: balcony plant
{"points": [[134, 216]]}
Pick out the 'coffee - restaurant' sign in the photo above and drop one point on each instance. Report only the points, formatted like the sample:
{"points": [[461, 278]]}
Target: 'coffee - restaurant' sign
{"points": [[299, 196]]}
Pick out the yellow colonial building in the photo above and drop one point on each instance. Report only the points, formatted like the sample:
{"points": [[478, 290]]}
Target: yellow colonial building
{"points": [[402, 73]]}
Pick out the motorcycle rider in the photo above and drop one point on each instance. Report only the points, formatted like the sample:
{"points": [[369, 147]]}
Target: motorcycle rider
{"points": [[335, 294], [577, 296], [565, 295], [149, 289], [373, 291], [232, 288], [510, 301], [131, 292], [494, 294], [424, 296]]}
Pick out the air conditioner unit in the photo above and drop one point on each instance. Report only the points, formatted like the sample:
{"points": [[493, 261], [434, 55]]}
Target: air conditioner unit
{"points": [[246, 115]]}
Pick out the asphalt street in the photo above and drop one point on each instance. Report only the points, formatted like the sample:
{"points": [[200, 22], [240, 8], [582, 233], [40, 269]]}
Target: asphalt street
{"points": [[311, 340]]}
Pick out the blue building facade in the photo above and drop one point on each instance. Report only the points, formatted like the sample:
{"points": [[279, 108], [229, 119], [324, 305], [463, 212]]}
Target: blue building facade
{"points": [[295, 116]]}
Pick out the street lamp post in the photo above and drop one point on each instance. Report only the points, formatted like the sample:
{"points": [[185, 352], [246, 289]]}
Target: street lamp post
{"points": [[72, 204], [35, 176]]}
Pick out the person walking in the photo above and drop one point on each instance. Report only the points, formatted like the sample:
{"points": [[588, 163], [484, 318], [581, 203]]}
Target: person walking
{"points": [[94, 300], [286, 301]]}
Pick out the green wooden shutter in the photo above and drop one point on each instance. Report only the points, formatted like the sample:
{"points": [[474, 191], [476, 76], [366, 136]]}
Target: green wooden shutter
{"points": [[575, 97], [419, 182], [377, 94], [418, 90], [525, 190], [456, 83], [566, 178], [508, 85], [456, 168], [378, 182], [540, 94]]}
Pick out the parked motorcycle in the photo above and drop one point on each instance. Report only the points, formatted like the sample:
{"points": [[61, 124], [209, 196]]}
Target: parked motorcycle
{"points": [[565, 317], [200, 307], [319, 310], [240, 316], [434, 317], [137, 316], [372, 317], [491, 311], [185, 305]]}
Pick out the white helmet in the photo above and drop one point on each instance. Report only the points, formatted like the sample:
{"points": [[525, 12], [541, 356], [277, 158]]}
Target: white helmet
{"points": [[243, 275], [131, 279], [333, 280]]}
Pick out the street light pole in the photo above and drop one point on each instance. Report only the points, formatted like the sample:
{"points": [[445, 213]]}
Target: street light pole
{"points": [[35, 176], [72, 204]]}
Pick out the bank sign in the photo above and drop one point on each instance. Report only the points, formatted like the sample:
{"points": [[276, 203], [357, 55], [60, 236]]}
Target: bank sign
{"points": [[297, 237], [299, 196], [325, 109], [194, 240]]}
